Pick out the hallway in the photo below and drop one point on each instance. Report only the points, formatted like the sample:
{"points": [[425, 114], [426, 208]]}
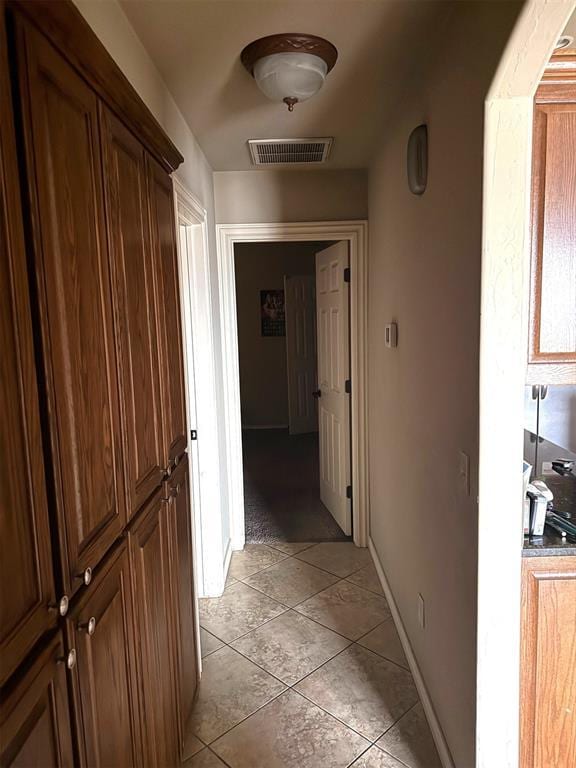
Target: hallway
{"points": [[282, 489], [302, 667]]}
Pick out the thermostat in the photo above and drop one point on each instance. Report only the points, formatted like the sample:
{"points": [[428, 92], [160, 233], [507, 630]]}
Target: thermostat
{"points": [[391, 335]]}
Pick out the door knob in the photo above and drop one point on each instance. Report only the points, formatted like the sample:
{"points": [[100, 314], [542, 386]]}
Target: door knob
{"points": [[317, 393], [88, 626]]}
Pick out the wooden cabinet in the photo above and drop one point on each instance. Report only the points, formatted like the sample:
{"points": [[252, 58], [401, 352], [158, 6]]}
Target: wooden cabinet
{"points": [[100, 628], [34, 720], [552, 351], [172, 370], [177, 491], [548, 659], [25, 551], [149, 564], [131, 255], [75, 304]]}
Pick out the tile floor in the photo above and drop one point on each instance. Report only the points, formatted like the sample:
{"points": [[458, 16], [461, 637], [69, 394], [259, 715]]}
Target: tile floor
{"points": [[303, 667]]}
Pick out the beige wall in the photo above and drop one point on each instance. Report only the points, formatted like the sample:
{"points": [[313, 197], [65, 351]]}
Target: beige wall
{"points": [[263, 379], [290, 195], [424, 272]]}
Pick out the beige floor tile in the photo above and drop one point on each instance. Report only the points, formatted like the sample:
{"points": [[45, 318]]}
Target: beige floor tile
{"points": [[290, 547], [192, 744], [290, 732], [204, 759], [367, 578], [209, 643], [347, 609], [384, 640], [253, 558], [229, 580], [411, 742], [231, 688], [290, 646], [291, 581], [239, 610], [362, 689], [339, 557], [375, 758]]}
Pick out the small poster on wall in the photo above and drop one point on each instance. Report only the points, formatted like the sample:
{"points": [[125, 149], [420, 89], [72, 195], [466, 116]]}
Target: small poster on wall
{"points": [[272, 316]]}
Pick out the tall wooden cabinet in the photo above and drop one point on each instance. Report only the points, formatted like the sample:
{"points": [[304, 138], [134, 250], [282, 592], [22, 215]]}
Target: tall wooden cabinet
{"points": [[28, 596], [97, 636], [552, 350]]}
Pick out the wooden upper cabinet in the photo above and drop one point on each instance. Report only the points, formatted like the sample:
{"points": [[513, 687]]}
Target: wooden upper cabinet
{"points": [[148, 542], [25, 552], [133, 273], [101, 630], [548, 663], [552, 352], [60, 128], [172, 363], [34, 718], [182, 585]]}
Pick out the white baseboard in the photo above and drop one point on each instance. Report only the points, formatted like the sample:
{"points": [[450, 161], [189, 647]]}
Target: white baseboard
{"points": [[227, 558], [434, 723], [264, 426]]}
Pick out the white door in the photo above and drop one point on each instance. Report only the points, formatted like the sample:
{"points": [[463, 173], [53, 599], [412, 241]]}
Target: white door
{"points": [[332, 312], [300, 307]]}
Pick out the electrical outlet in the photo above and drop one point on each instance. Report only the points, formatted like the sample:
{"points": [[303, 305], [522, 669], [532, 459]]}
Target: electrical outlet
{"points": [[464, 472], [421, 612]]}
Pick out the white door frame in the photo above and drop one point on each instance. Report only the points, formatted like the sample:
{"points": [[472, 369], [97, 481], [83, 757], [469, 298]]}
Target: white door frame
{"points": [[356, 234], [210, 556]]}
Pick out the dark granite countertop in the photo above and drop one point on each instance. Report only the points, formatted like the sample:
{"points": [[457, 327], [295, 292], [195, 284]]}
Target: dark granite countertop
{"points": [[549, 544]]}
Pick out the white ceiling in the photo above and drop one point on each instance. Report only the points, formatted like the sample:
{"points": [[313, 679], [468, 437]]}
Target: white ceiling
{"points": [[196, 45]]}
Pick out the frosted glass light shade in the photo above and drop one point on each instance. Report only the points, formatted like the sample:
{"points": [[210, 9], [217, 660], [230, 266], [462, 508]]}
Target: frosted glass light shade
{"points": [[294, 76]]}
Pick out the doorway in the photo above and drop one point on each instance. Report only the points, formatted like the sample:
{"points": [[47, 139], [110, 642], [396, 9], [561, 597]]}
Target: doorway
{"points": [[353, 234], [294, 401]]}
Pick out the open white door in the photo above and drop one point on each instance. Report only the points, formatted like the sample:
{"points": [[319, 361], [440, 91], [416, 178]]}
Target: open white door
{"points": [[300, 307], [332, 300]]}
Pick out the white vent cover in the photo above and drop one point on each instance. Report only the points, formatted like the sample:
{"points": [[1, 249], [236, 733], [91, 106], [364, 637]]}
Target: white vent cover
{"points": [[289, 151]]}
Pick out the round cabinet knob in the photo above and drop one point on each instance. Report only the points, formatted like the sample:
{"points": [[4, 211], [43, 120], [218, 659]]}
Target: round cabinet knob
{"points": [[69, 659], [89, 626], [61, 607], [86, 576]]}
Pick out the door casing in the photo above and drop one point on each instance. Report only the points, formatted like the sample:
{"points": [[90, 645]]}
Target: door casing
{"points": [[356, 234]]}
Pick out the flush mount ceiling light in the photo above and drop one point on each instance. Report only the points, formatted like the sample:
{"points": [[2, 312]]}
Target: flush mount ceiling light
{"points": [[564, 42], [290, 67]]}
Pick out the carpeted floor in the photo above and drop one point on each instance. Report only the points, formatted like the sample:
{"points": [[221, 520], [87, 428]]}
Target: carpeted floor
{"points": [[281, 489]]}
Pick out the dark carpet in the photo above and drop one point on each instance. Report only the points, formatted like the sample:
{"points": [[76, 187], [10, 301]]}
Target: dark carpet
{"points": [[281, 489]]}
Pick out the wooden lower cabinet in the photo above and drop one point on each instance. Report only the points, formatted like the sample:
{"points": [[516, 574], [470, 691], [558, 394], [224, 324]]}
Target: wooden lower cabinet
{"points": [[177, 491], [148, 542], [34, 719], [548, 663], [101, 630]]}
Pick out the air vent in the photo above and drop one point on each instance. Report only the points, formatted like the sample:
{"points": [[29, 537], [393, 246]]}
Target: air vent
{"points": [[289, 151]]}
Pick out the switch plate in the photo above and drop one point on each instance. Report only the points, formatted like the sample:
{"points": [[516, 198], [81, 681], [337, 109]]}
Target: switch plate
{"points": [[464, 472], [421, 611]]}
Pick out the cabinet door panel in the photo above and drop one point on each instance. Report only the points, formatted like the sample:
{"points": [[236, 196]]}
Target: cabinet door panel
{"points": [[131, 256], [182, 583], [64, 170], [105, 688], [548, 681], [166, 259], [25, 551], [149, 553], [553, 299], [34, 719]]}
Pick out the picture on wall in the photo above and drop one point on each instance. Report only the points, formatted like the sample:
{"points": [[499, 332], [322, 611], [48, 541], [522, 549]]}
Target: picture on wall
{"points": [[272, 315]]}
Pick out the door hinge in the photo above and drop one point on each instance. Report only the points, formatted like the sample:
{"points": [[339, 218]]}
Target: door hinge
{"points": [[348, 386], [348, 491], [347, 275], [193, 434]]}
